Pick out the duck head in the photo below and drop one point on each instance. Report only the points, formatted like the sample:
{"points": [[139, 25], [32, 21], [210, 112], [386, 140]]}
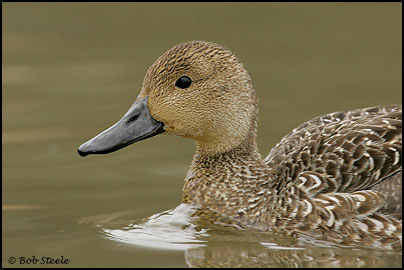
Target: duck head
{"points": [[197, 90]]}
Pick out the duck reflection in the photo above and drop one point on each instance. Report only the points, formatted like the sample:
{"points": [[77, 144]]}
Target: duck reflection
{"points": [[229, 245]]}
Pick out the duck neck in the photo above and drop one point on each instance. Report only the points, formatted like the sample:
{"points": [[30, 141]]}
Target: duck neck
{"points": [[230, 182]]}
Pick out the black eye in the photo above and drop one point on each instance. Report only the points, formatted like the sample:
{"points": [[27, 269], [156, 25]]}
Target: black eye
{"points": [[183, 82]]}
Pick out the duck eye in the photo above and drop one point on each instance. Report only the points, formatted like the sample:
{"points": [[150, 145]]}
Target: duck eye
{"points": [[183, 82]]}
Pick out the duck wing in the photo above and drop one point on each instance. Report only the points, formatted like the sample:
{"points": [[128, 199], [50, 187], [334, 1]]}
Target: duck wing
{"points": [[341, 175], [345, 152]]}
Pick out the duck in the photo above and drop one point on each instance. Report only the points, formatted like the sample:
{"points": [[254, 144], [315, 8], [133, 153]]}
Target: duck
{"points": [[336, 177]]}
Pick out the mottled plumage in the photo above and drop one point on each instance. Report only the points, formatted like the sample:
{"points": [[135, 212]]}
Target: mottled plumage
{"points": [[346, 167], [337, 177]]}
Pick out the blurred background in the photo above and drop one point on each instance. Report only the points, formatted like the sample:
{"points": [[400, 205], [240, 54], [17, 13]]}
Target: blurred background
{"points": [[70, 70]]}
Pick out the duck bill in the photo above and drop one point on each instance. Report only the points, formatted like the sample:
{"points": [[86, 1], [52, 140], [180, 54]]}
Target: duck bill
{"points": [[136, 125]]}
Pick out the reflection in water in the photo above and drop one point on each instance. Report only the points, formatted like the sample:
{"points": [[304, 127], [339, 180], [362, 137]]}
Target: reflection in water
{"points": [[172, 229], [230, 255], [217, 245]]}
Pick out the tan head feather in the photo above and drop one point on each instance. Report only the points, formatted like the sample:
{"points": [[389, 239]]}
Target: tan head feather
{"points": [[218, 109]]}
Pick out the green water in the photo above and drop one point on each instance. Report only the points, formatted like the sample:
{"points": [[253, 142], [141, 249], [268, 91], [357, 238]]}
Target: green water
{"points": [[71, 70]]}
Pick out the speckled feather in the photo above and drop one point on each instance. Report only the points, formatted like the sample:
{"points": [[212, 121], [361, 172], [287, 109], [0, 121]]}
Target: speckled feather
{"points": [[321, 179], [336, 176], [348, 166]]}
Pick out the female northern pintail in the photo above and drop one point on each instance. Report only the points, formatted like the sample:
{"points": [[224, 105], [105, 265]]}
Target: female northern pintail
{"points": [[337, 176]]}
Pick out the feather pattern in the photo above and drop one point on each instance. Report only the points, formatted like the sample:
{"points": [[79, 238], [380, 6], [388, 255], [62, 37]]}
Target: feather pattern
{"points": [[337, 176], [349, 170], [332, 177]]}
